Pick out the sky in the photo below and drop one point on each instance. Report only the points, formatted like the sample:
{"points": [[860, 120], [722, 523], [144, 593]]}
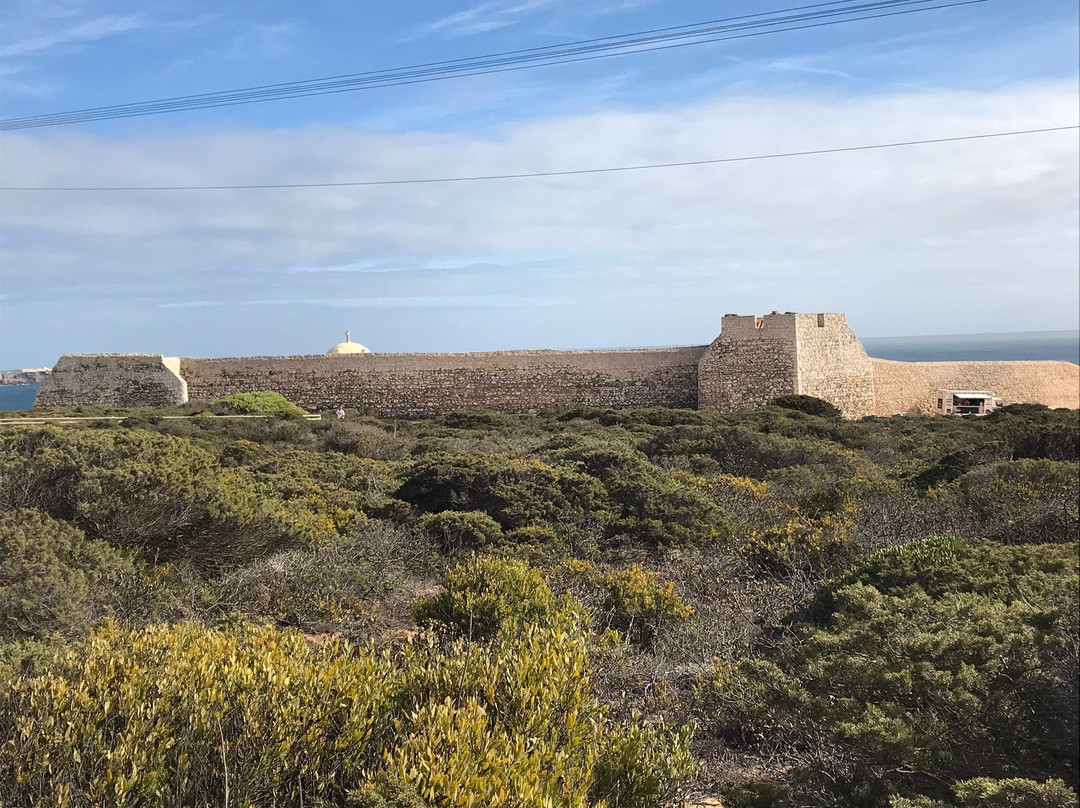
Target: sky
{"points": [[963, 237]]}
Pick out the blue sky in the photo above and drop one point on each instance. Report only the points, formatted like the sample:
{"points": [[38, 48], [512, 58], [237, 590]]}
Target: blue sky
{"points": [[949, 238]]}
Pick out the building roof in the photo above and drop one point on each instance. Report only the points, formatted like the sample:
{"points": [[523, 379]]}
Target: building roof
{"points": [[348, 347], [969, 393]]}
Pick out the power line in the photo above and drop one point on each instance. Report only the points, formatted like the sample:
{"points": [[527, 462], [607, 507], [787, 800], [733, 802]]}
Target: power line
{"points": [[795, 18], [539, 174], [697, 33]]}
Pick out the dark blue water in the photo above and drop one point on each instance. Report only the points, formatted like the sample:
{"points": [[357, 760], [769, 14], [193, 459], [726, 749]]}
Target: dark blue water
{"points": [[17, 396], [1063, 345]]}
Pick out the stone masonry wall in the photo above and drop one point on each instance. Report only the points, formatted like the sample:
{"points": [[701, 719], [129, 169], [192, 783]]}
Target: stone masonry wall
{"points": [[833, 364], [752, 362], [116, 380], [419, 385], [902, 387]]}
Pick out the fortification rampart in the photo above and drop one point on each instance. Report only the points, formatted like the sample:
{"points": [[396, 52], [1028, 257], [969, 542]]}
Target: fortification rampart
{"points": [[115, 380], [421, 384], [833, 364], [903, 387], [754, 360]]}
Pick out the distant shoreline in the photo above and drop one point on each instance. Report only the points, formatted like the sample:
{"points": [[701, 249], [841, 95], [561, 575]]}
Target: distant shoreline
{"points": [[24, 376]]}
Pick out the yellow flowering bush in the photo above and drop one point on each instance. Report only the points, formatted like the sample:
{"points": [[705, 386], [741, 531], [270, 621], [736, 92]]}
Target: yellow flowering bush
{"points": [[250, 716]]}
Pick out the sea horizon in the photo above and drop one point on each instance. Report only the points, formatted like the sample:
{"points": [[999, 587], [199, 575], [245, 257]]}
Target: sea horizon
{"points": [[1061, 345]]}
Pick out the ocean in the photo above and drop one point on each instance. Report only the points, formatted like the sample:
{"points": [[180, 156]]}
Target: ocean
{"points": [[1063, 345], [17, 396]]}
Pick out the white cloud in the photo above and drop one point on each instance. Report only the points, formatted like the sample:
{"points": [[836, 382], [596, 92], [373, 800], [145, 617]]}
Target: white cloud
{"points": [[87, 30], [261, 41], [484, 17], [409, 302], [907, 240]]}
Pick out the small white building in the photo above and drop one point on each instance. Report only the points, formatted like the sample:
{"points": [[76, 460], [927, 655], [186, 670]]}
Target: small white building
{"points": [[966, 402]]}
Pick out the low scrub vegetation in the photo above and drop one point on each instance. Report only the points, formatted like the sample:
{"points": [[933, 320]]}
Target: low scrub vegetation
{"points": [[262, 401], [597, 608]]}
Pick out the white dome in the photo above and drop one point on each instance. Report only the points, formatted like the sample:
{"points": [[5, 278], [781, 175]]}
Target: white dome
{"points": [[348, 347]]}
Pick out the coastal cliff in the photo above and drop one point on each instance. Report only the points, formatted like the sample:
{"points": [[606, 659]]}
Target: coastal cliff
{"points": [[24, 376]]}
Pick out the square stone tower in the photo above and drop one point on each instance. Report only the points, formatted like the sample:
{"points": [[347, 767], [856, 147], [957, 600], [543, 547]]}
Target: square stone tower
{"points": [[756, 359]]}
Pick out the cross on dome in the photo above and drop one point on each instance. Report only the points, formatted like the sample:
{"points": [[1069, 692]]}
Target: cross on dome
{"points": [[348, 347]]}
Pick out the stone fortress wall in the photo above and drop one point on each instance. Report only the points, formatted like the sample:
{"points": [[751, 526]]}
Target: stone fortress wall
{"points": [[754, 360], [833, 364], [902, 387], [114, 380], [424, 384]]}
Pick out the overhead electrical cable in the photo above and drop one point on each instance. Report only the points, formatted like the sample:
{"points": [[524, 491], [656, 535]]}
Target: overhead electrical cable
{"points": [[697, 33], [539, 174], [751, 25]]}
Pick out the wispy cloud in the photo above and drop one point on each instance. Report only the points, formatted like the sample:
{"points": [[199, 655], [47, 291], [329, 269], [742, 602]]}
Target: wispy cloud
{"points": [[484, 17], [14, 79], [506, 260], [353, 267], [261, 41], [904, 239], [85, 31], [806, 65], [407, 302]]}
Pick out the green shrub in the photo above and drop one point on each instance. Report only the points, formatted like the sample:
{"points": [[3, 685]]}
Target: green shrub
{"points": [[637, 603], [513, 491], [807, 404], [160, 495], [943, 566], [650, 507], [261, 401], [363, 440], [536, 539], [391, 793], [53, 580], [984, 792], [1035, 431], [338, 486], [26, 657], [917, 802], [184, 715], [452, 531], [1023, 501], [317, 591], [484, 596], [753, 701], [760, 795], [644, 767], [927, 664], [744, 451]]}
